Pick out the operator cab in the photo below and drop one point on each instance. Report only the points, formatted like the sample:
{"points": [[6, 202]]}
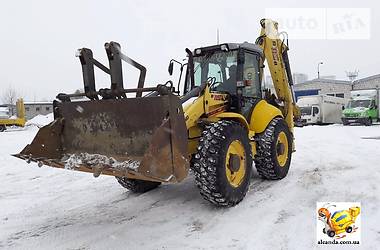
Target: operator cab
{"points": [[230, 68]]}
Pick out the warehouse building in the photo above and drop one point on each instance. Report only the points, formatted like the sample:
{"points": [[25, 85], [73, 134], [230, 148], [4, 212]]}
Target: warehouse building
{"points": [[333, 87], [371, 82], [299, 78], [33, 109]]}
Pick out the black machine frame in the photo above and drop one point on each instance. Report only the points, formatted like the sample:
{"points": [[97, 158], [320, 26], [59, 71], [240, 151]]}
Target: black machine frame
{"points": [[116, 90]]}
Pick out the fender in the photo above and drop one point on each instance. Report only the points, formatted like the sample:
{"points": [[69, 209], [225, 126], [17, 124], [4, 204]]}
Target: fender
{"points": [[233, 116], [262, 114], [241, 119]]}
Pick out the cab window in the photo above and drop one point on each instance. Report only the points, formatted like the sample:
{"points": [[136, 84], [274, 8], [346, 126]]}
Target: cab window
{"points": [[373, 104], [219, 67], [315, 111], [251, 75]]}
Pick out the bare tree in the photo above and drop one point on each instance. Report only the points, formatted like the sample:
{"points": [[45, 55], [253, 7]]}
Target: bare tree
{"points": [[9, 97]]}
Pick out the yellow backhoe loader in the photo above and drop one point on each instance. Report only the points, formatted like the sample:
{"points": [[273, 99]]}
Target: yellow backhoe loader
{"points": [[220, 125]]}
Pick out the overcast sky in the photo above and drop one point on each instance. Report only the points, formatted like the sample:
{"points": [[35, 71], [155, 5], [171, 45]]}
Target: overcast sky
{"points": [[39, 38]]}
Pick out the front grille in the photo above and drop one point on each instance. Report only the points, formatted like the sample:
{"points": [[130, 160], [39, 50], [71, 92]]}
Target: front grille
{"points": [[352, 115]]}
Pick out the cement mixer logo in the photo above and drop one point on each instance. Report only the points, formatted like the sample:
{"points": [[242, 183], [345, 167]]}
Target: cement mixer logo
{"points": [[338, 223]]}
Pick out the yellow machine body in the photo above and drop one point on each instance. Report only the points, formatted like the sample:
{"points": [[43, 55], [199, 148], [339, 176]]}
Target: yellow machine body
{"points": [[197, 111], [154, 136], [20, 120], [341, 220]]}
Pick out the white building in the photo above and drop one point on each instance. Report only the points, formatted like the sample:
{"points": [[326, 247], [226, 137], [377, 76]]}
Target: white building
{"points": [[299, 78], [370, 82], [323, 86], [337, 88], [33, 109]]}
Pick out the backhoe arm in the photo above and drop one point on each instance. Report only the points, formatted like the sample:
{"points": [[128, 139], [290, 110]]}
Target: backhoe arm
{"points": [[275, 52]]}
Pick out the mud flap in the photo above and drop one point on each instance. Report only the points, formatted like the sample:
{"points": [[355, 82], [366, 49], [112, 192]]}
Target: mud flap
{"points": [[142, 138]]}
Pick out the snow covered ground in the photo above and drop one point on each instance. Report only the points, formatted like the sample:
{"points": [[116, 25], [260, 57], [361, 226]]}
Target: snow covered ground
{"points": [[46, 208], [40, 120]]}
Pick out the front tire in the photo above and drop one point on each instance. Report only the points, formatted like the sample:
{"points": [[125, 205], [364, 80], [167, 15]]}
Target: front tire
{"points": [[274, 150], [137, 186], [330, 233], [368, 122], [2, 128], [349, 229], [223, 163]]}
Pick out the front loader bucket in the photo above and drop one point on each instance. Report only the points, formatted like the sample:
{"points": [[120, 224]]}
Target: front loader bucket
{"points": [[141, 138]]}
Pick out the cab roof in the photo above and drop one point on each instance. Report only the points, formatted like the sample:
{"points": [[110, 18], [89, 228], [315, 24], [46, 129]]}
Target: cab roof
{"points": [[232, 46]]}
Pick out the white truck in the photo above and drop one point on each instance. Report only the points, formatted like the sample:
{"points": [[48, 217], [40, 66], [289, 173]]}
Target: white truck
{"points": [[320, 109]]}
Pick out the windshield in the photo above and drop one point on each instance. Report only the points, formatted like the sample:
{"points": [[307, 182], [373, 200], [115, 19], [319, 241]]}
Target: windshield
{"points": [[217, 67], [305, 110], [359, 103]]}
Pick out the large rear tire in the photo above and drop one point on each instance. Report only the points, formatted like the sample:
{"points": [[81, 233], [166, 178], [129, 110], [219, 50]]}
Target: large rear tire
{"points": [[274, 150], [2, 128], [223, 163], [137, 186]]}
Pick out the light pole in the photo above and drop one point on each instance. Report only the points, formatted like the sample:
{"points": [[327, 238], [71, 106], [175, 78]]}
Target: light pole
{"points": [[318, 68]]}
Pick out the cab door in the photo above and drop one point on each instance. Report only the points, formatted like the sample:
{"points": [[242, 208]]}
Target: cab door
{"points": [[251, 92], [373, 110]]}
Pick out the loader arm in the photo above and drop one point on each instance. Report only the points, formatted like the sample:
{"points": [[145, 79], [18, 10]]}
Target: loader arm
{"points": [[275, 52]]}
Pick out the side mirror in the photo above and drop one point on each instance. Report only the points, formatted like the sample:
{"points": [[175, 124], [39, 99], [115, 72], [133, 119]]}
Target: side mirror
{"points": [[170, 68]]}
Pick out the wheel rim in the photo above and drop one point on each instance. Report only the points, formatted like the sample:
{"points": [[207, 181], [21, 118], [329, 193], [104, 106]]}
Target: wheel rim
{"points": [[235, 163], [282, 149]]}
